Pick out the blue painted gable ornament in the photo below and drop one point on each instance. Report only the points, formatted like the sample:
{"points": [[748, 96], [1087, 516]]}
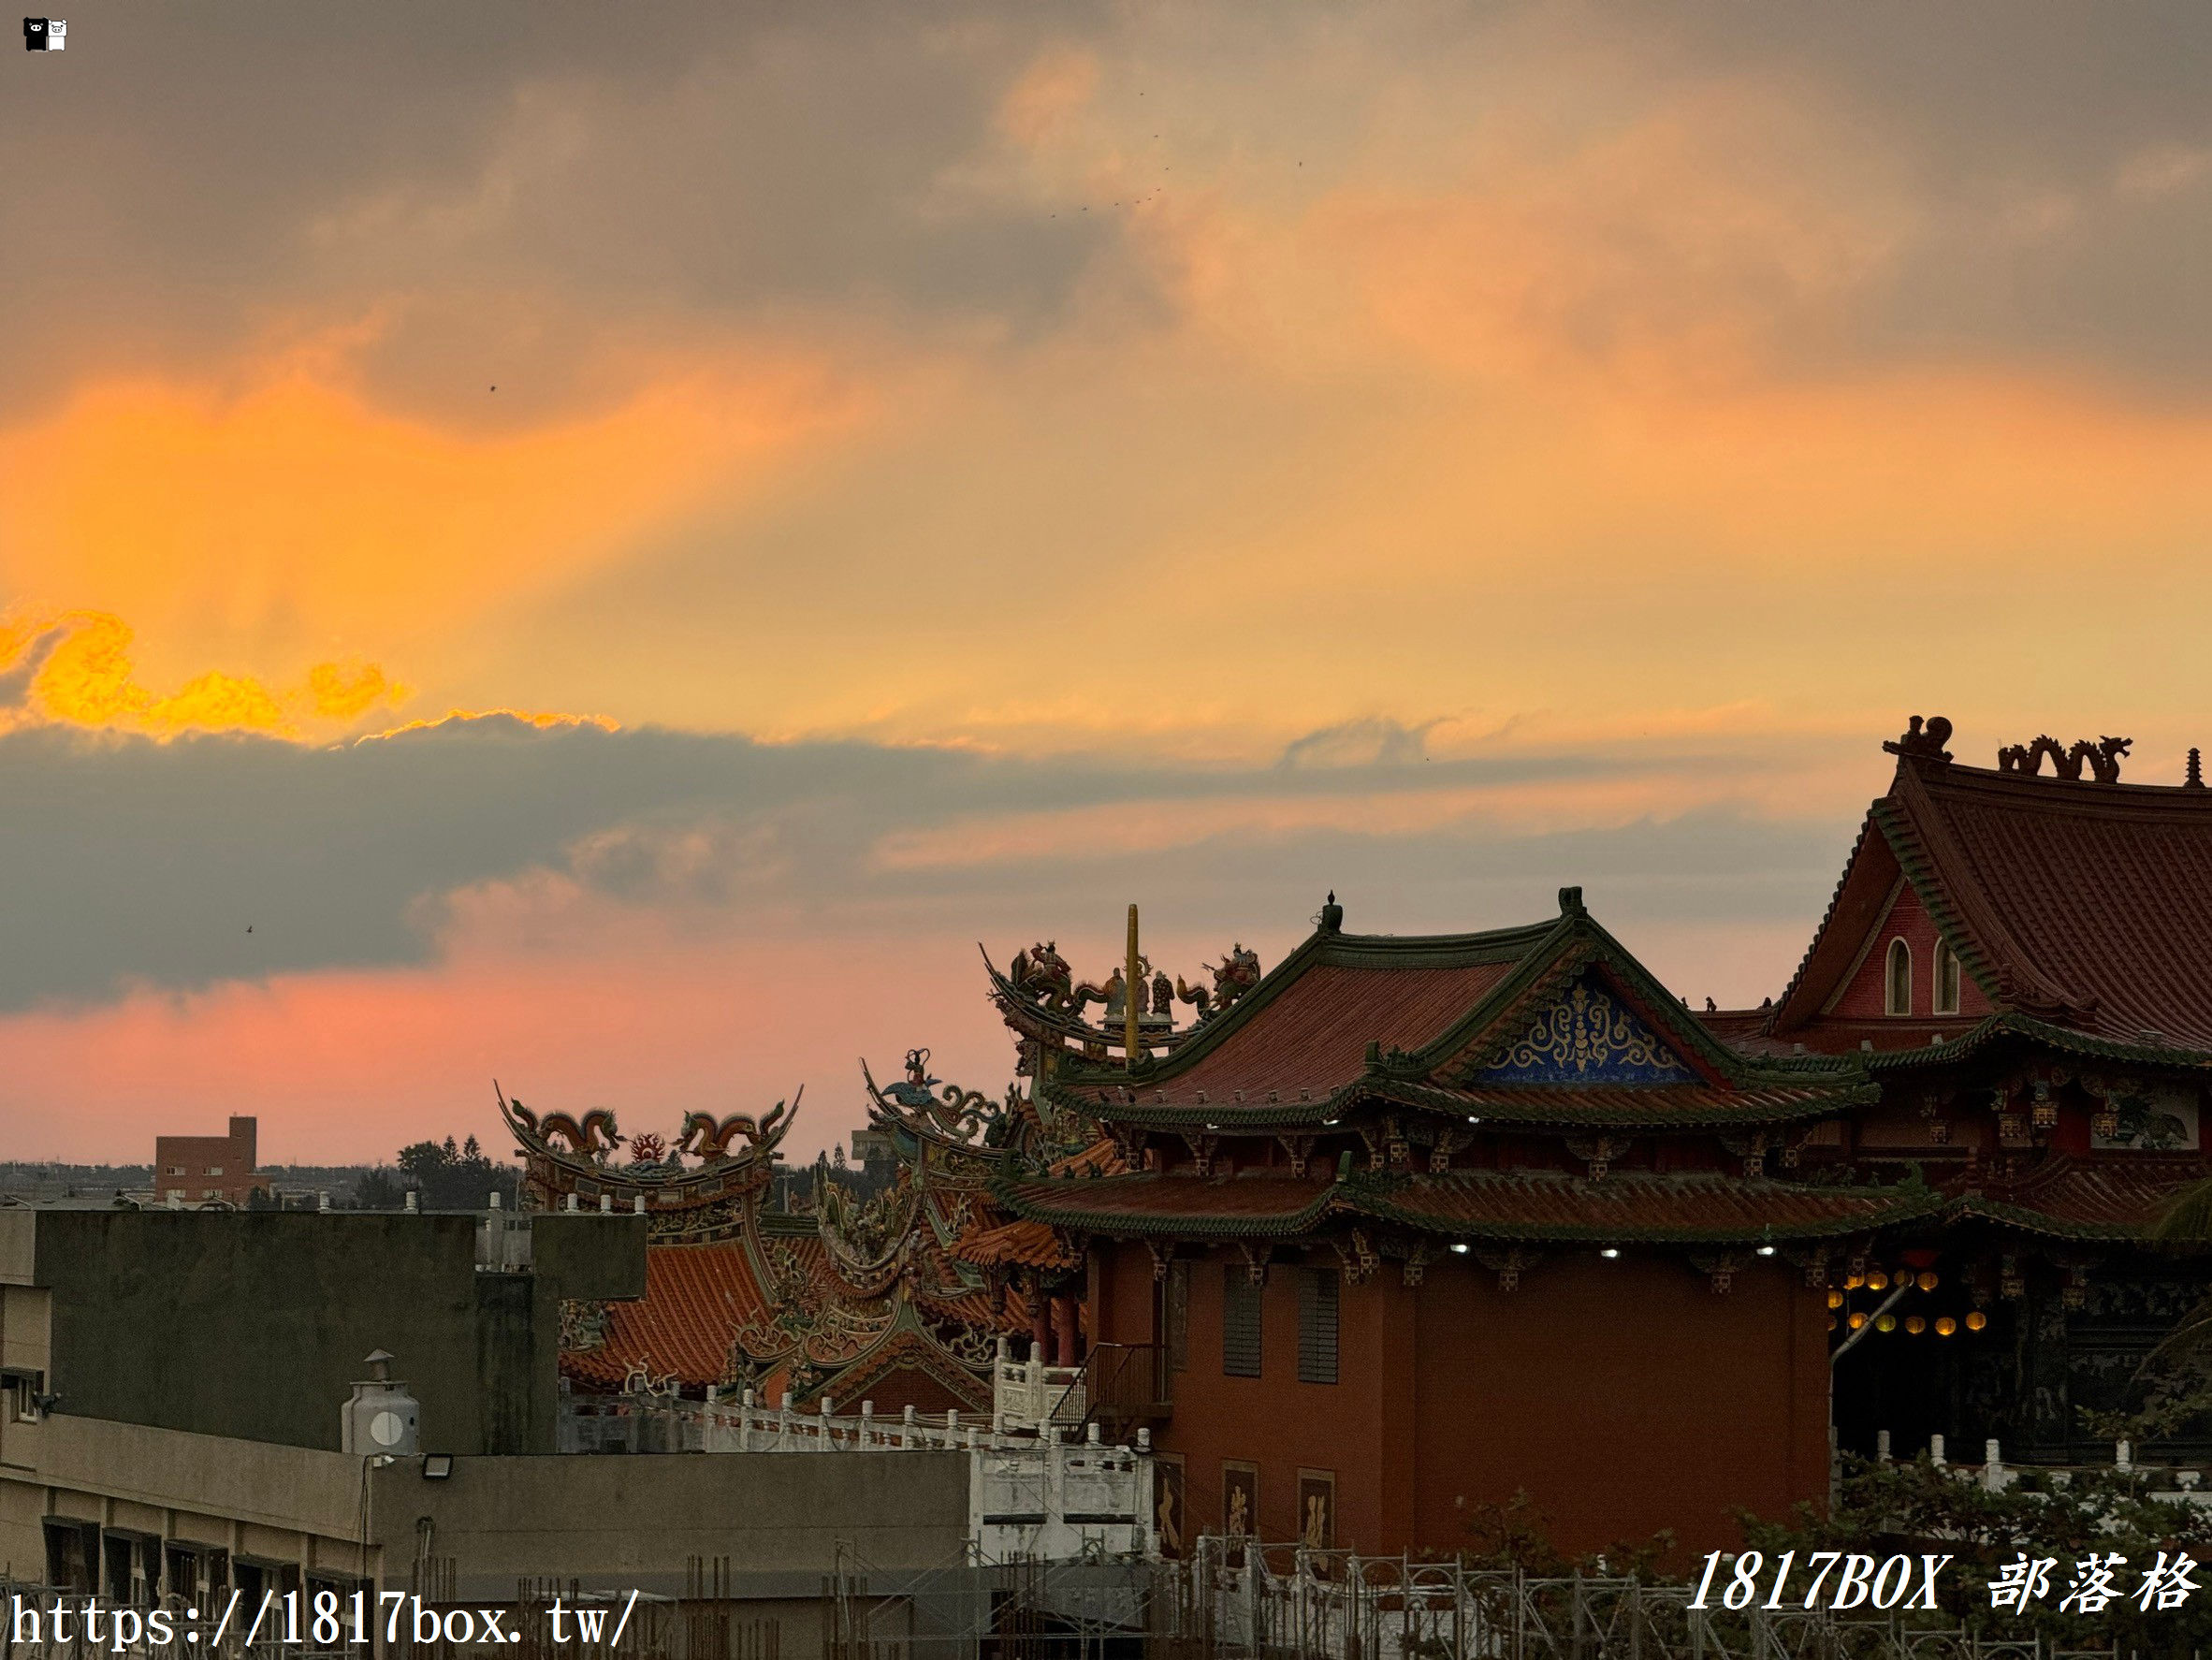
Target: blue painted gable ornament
{"points": [[1587, 1036]]}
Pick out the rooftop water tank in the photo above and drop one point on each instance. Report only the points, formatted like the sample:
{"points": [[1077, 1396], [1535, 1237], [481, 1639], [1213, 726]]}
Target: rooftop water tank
{"points": [[382, 1418]]}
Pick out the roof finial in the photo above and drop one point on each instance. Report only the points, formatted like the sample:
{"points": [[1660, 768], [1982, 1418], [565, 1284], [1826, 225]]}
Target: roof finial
{"points": [[1570, 901], [1132, 996], [2196, 770], [1332, 914], [1923, 745]]}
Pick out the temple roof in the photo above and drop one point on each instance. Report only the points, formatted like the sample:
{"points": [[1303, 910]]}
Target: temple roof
{"points": [[705, 1311], [1526, 1205], [2063, 1199], [2085, 904], [697, 1298], [2073, 1199], [1548, 1024]]}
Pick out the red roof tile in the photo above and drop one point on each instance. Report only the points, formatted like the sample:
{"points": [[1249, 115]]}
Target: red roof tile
{"points": [[1628, 1105], [1251, 1201], [696, 1298], [2093, 898], [1474, 1204], [1629, 1205], [2119, 1196], [2086, 904], [1018, 1243], [1314, 1034]]}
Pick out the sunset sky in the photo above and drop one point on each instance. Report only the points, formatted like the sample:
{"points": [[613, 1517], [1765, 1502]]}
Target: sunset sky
{"points": [[955, 471]]}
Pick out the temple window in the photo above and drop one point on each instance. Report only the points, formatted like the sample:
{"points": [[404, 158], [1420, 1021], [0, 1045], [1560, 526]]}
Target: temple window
{"points": [[1316, 1325], [1899, 998], [1239, 1322], [1946, 978]]}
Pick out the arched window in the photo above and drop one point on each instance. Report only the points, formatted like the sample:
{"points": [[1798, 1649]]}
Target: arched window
{"points": [[1946, 978], [1900, 989]]}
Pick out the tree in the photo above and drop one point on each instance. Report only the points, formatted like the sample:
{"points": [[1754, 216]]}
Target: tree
{"points": [[2066, 1518], [454, 1178], [380, 1189]]}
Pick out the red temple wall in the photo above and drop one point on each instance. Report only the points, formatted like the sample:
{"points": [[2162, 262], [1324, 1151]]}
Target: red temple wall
{"points": [[1863, 996], [1625, 1397]]}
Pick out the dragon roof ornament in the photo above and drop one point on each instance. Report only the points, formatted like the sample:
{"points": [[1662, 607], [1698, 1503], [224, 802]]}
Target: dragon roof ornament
{"points": [[1045, 1005], [566, 1155]]}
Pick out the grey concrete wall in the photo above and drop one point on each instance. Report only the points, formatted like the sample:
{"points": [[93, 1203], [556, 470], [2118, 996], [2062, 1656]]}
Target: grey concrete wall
{"points": [[572, 1251], [635, 1521], [253, 1324], [164, 1482]]}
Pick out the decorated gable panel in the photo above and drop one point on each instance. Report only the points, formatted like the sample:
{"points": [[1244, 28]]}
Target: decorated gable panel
{"points": [[1588, 1036]]}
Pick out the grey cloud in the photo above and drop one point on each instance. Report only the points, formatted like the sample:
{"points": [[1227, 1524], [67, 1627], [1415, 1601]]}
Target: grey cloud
{"points": [[126, 861], [2017, 121], [539, 178], [523, 188], [1377, 740]]}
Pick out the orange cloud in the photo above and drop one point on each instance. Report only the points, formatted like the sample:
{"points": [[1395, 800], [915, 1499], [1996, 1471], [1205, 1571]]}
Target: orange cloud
{"points": [[294, 514], [344, 690], [90, 679]]}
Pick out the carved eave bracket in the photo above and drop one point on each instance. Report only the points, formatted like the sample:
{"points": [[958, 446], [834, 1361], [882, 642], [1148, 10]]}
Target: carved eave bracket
{"points": [[1814, 1261], [1357, 1255], [1448, 1138], [1510, 1265], [1256, 1255], [1133, 1144], [1752, 1149], [1417, 1262], [1598, 1152], [1719, 1267]]}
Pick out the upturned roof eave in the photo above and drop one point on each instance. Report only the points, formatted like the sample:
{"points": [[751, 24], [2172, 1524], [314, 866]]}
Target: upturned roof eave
{"points": [[1357, 1200], [1452, 1102], [2026, 1028], [2025, 1218]]}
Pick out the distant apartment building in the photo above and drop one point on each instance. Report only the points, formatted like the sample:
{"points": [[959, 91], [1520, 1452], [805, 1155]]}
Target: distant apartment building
{"points": [[197, 1168]]}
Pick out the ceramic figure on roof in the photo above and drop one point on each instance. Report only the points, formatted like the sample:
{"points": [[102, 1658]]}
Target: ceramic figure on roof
{"points": [[2101, 757]]}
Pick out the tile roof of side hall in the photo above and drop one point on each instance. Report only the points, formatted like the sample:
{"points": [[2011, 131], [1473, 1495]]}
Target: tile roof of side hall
{"points": [[2079, 904], [2065, 1199], [1525, 1205], [1427, 1022]]}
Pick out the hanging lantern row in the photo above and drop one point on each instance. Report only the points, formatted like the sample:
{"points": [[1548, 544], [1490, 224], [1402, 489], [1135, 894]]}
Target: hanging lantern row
{"points": [[1944, 1325]]}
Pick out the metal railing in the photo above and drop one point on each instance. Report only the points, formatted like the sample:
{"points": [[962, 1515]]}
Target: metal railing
{"points": [[1125, 1387]]}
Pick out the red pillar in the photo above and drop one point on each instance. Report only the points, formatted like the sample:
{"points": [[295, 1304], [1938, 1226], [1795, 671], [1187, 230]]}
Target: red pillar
{"points": [[1064, 1329], [1040, 1322]]}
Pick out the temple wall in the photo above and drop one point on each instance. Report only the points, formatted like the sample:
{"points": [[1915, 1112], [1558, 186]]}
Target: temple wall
{"points": [[1863, 996], [1625, 1397]]}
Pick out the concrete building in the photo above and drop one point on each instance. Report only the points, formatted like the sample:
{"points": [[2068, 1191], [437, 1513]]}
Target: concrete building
{"points": [[175, 1384], [195, 1169]]}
